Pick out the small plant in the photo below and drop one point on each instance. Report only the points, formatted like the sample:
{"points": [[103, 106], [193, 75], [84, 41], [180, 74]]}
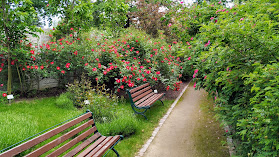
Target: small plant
{"points": [[125, 125], [3, 97], [64, 101]]}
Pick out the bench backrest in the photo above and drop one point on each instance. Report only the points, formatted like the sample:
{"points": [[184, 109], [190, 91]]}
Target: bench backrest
{"points": [[139, 92], [80, 128]]}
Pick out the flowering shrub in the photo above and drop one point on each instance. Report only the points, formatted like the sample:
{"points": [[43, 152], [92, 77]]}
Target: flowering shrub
{"points": [[134, 59], [230, 58]]}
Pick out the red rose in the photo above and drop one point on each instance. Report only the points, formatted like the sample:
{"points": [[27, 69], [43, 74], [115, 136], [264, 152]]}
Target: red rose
{"points": [[4, 94]]}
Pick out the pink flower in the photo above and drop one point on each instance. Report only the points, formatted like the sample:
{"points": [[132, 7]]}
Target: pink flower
{"points": [[241, 19], [71, 35], [194, 75], [1, 85], [58, 68], [105, 72], [96, 79], [122, 87], [118, 80], [189, 58], [219, 2], [63, 72], [181, 2], [158, 72], [195, 84], [205, 77], [211, 18], [85, 64], [72, 28], [196, 71], [94, 69], [192, 38], [169, 24]]}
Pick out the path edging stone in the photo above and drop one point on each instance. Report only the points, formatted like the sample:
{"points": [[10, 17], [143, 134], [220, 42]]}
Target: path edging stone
{"points": [[161, 122]]}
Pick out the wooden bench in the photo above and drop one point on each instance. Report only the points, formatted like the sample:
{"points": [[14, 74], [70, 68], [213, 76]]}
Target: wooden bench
{"points": [[143, 97], [78, 137]]}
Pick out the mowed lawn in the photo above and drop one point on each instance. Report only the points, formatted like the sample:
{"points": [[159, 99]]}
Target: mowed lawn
{"points": [[20, 120]]}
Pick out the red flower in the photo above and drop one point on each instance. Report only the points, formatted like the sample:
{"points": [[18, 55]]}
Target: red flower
{"points": [[32, 51], [144, 79], [36, 67], [105, 72], [1, 69], [63, 72], [42, 67], [99, 65], [118, 80], [2, 64], [72, 28], [138, 79], [4, 94], [85, 64], [97, 59], [75, 52], [158, 72], [96, 79], [71, 35], [51, 63], [168, 87], [94, 69], [1, 85], [122, 87], [58, 68]]}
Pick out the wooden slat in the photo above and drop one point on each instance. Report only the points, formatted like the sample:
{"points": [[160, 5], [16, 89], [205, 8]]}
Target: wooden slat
{"points": [[144, 98], [95, 150], [148, 101], [138, 88], [91, 147], [84, 144], [107, 146], [151, 100], [60, 139], [140, 91], [43, 137], [142, 95], [74, 141]]}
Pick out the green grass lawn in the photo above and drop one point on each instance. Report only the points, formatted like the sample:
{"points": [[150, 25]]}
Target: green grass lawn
{"points": [[23, 119]]}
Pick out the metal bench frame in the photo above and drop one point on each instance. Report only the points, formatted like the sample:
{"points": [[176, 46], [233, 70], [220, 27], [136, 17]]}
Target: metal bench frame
{"points": [[146, 107]]}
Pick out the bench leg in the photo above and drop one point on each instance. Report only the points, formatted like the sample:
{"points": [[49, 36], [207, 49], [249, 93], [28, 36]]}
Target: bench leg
{"points": [[116, 152], [141, 113], [161, 102]]}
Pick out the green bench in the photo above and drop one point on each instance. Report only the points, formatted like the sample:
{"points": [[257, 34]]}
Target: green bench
{"points": [[143, 97], [76, 137]]}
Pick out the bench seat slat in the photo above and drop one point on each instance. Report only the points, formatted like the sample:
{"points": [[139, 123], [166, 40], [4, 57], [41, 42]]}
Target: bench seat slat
{"points": [[84, 144], [107, 146], [151, 100], [140, 92], [138, 88], [96, 149], [43, 137], [75, 141], [142, 95], [144, 98], [60, 139], [91, 147]]}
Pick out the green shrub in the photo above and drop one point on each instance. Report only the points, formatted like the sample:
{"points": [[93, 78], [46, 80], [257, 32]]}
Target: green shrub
{"points": [[64, 101], [126, 125]]}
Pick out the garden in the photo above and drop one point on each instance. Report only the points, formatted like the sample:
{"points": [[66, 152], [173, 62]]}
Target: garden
{"points": [[100, 49]]}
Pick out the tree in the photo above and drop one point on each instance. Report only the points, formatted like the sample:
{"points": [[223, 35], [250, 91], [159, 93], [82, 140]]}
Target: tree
{"points": [[16, 22]]}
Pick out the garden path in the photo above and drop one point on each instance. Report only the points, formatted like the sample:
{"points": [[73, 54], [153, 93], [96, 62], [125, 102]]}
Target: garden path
{"points": [[176, 136]]}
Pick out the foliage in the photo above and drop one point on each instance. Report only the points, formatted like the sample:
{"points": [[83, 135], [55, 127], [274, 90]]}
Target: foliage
{"points": [[114, 16], [147, 17], [3, 97], [229, 51], [17, 21], [64, 101]]}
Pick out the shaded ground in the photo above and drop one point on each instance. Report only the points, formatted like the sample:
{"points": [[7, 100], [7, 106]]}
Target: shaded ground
{"points": [[189, 131]]}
